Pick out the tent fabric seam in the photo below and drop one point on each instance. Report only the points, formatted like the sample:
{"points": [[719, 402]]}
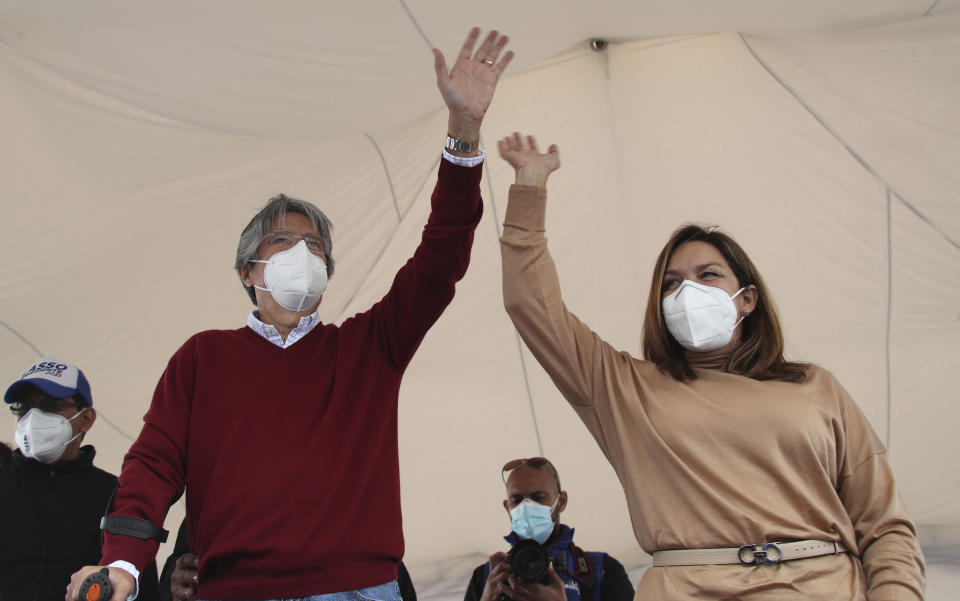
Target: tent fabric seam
{"points": [[386, 171], [383, 249], [889, 315], [863, 163], [39, 353]]}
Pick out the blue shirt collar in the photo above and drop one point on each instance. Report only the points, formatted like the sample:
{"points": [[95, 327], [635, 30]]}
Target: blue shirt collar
{"points": [[306, 324]]}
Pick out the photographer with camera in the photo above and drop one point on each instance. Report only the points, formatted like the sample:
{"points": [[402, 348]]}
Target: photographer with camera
{"points": [[543, 563]]}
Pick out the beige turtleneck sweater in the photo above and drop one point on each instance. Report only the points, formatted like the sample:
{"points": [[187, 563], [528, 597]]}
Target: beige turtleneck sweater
{"points": [[721, 460]]}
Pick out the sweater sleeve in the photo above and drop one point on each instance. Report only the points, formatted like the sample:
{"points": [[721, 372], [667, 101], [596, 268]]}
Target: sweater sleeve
{"points": [[152, 476], [425, 285], [886, 538], [566, 348]]}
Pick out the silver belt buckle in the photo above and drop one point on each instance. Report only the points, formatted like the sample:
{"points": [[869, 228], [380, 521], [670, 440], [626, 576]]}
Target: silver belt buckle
{"points": [[760, 554]]}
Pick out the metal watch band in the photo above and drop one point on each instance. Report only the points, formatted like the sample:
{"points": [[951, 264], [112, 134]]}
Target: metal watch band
{"points": [[460, 145]]}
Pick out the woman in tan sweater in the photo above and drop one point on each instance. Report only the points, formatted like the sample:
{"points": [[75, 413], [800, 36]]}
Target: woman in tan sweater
{"points": [[746, 476]]}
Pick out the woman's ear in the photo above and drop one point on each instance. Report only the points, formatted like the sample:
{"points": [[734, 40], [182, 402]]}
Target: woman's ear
{"points": [[750, 298]]}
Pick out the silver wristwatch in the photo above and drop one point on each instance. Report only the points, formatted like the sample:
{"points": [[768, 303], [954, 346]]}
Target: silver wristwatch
{"points": [[461, 145]]}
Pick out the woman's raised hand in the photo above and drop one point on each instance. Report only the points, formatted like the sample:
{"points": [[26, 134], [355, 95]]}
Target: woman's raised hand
{"points": [[532, 167]]}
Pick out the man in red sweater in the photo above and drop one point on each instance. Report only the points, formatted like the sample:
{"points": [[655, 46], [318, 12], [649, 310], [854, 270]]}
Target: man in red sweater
{"points": [[314, 508]]}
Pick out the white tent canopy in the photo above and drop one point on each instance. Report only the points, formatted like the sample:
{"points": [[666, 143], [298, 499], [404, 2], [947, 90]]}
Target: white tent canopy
{"points": [[825, 136]]}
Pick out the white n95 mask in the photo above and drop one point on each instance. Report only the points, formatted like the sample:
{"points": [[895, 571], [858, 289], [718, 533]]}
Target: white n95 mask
{"points": [[44, 436], [701, 318], [295, 278]]}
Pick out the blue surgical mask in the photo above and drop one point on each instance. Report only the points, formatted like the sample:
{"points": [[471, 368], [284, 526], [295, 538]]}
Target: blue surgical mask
{"points": [[530, 519]]}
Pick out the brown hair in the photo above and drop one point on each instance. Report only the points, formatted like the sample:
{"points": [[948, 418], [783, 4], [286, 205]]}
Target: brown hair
{"points": [[760, 352]]}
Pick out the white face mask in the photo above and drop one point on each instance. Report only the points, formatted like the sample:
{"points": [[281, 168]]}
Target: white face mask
{"points": [[701, 318], [44, 436], [295, 278]]}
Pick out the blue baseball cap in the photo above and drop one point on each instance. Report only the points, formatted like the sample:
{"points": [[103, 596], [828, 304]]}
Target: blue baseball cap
{"points": [[54, 377]]}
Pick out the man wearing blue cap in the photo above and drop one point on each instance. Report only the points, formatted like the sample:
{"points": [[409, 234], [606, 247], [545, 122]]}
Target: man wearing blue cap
{"points": [[51, 496], [54, 410]]}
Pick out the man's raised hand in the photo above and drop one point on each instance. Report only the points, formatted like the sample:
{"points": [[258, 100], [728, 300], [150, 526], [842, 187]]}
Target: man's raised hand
{"points": [[468, 87]]}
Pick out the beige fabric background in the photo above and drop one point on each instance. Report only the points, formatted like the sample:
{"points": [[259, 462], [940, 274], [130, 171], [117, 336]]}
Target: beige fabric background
{"points": [[139, 138]]}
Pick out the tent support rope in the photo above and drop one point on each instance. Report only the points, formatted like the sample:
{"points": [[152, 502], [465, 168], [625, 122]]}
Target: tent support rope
{"points": [[416, 25]]}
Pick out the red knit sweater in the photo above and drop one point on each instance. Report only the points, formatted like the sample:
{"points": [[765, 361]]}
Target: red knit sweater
{"points": [[289, 456]]}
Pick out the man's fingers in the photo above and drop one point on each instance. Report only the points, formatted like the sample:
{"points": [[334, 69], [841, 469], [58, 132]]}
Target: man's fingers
{"points": [[183, 593], [488, 50], [190, 561], [185, 577], [520, 592], [555, 580], [466, 51], [501, 66], [123, 584], [440, 65], [76, 579], [492, 47]]}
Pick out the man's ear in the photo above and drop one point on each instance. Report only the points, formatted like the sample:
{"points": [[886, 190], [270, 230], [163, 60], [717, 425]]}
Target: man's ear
{"points": [[87, 418], [244, 273], [561, 501], [506, 506]]}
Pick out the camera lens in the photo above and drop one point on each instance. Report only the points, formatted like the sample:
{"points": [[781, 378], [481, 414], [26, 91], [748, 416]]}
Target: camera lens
{"points": [[529, 561]]}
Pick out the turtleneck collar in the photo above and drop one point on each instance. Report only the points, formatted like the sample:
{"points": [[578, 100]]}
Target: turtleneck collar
{"points": [[711, 359]]}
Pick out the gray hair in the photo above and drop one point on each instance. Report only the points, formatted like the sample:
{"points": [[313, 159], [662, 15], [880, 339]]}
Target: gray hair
{"points": [[276, 211]]}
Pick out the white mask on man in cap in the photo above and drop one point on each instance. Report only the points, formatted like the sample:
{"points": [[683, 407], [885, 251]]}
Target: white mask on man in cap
{"points": [[44, 436]]}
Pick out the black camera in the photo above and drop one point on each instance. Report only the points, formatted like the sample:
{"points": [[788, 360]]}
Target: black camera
{"points": [[530, 562]]}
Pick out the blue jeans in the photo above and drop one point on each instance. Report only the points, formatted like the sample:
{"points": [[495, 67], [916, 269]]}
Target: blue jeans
{"points": [[382, 592]]}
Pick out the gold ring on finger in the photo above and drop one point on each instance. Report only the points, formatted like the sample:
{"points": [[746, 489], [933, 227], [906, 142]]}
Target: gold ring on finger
{"points": [[488, 62]]}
